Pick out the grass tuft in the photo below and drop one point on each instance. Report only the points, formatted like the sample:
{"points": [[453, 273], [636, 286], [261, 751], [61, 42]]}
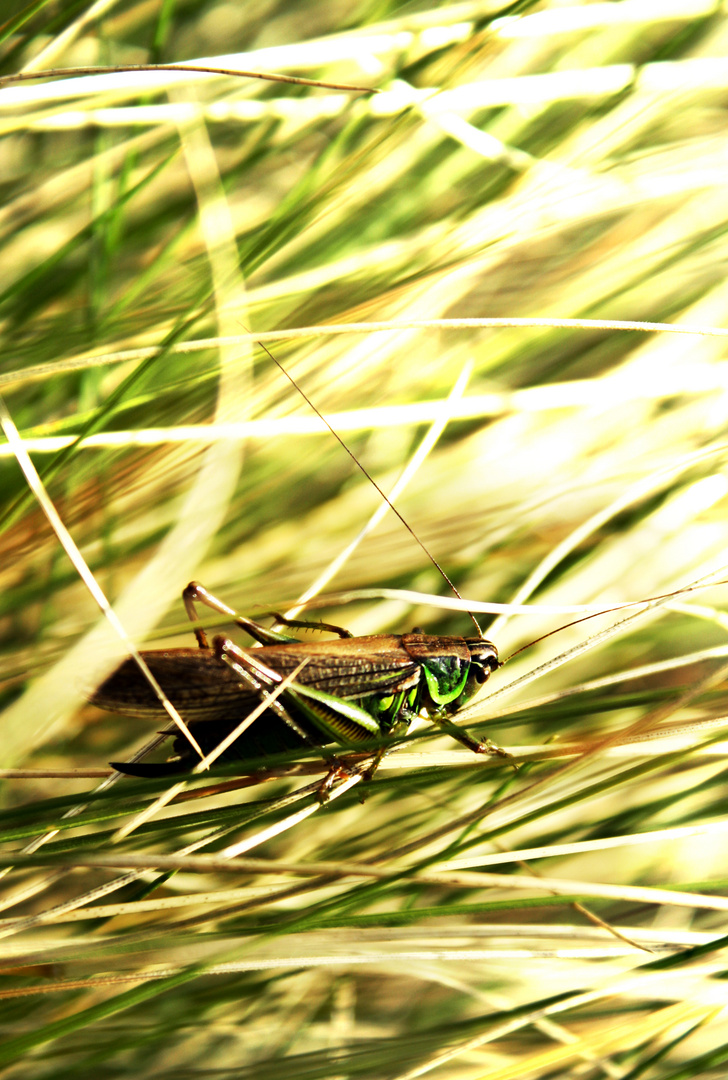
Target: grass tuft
{"points": [[453, 915]]}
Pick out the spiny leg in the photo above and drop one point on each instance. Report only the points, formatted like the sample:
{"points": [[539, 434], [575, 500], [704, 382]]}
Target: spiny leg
{"points": [[196, 592], [307, 624], [258, 677], [262, 679]]}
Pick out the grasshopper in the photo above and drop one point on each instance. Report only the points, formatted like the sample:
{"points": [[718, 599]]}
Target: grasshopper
{"points": [[349, 691]]}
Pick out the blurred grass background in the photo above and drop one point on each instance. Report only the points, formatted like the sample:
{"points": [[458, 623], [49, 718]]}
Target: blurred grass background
{"points": [[532, 160]]}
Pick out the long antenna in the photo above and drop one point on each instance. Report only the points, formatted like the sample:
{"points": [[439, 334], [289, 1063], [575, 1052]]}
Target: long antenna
{"points": [[650, 601], [371, 480]]}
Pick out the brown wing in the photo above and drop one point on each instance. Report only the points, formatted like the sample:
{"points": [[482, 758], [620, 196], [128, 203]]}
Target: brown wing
{"points": [[199, 685], [346, 667], [203, 687]]}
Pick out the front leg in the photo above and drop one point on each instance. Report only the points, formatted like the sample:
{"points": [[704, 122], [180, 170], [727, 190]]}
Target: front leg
{"points": [[462, 736]]}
